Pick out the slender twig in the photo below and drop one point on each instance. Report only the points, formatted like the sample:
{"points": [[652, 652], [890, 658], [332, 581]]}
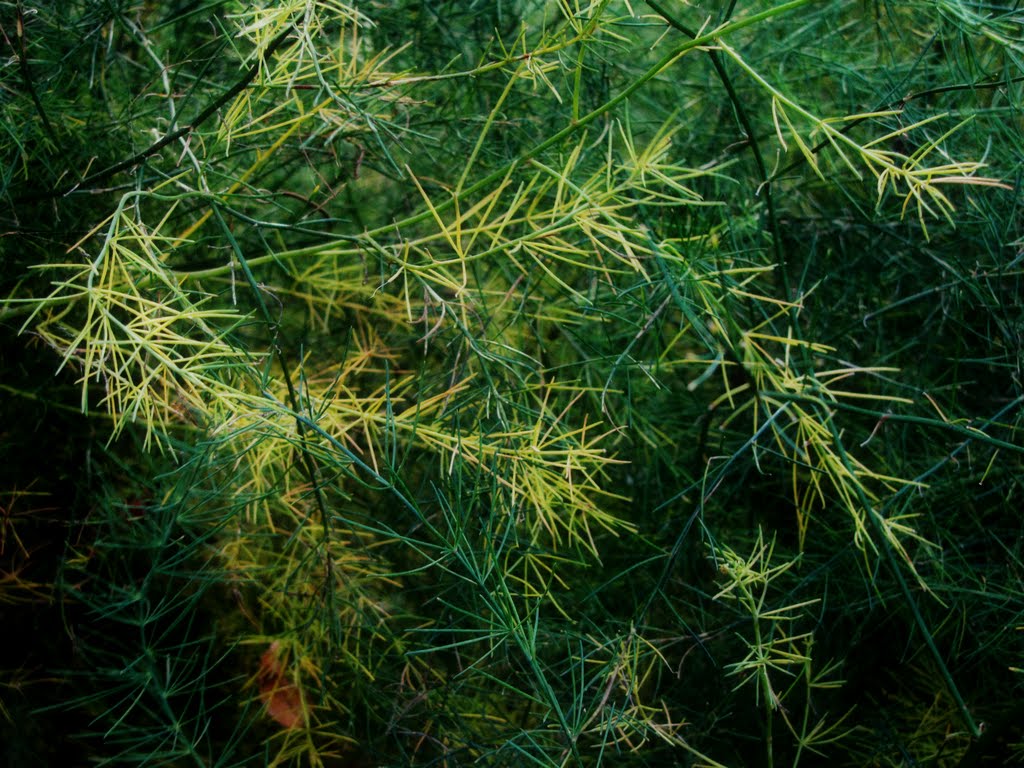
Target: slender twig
{"points": [[752, 142], [970, 433], [908, 597], [21, 53], [211, 109]]}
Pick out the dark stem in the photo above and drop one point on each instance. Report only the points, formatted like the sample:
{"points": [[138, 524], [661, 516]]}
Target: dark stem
{"points": [[170, 138], [21, 54]]}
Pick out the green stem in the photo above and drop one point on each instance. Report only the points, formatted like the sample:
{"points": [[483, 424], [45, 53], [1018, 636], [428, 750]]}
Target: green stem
{"points": [[26, 76], [666, 61], [752, 142], [897, 571], [971, 433], [765, 682], [308, 463], [169, 138]]}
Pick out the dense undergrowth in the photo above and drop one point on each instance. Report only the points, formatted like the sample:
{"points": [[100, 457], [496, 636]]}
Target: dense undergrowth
{"points": [[511, 383]]}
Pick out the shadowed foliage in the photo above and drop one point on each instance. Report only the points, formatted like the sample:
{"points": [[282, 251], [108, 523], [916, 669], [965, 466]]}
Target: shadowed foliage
{"points": [[511, 383]]}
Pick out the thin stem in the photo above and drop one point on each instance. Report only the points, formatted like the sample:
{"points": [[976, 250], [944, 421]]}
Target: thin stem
{"points": [[211, 109], [555, 139], [908, 597]]}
